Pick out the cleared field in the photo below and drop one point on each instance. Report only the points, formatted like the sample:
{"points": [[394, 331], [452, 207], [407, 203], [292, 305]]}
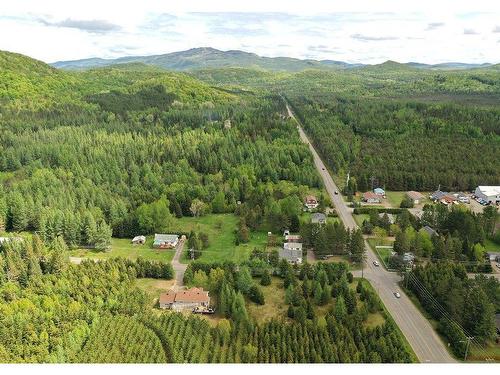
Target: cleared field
{"points": [[122, 247], [395, 197], [220, 229], [274, 296], [153, 287]]}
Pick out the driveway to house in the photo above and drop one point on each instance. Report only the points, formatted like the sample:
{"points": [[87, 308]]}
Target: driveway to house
{"points": [[418, 331], [178, 267]]}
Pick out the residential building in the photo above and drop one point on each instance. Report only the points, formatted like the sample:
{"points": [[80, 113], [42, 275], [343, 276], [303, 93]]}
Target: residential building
{"points": [[292, 238], [415, 196], [311, 202], [292, 252], [165, 241], [184, 299], [379, 191], [490, 194], [139, 240], [370, 197], [318, 218], [438, 195]]}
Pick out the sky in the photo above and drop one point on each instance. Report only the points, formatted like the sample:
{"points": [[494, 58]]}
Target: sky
{"points": [[356, 31]]}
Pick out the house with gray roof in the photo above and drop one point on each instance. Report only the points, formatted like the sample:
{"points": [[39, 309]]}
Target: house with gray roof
{"points": [[292, 252], [318, 218], [430, 231]]}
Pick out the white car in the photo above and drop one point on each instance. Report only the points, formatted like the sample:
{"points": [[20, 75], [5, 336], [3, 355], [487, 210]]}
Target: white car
{"points": [[397, 295], [375, 263]]}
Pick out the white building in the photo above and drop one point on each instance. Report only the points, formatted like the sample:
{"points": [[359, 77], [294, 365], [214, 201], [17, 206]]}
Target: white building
{"points": [[488, 193]]}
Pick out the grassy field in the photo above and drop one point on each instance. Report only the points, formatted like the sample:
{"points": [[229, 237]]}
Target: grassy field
{"points": [[383, 254], [153, 287], [122, 247], [274, 296], [360, 218], [491, 246], [395, 197], [220, 230]]}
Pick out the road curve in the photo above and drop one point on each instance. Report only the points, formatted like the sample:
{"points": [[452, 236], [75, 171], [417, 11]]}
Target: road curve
{"points": [[418, 331]]}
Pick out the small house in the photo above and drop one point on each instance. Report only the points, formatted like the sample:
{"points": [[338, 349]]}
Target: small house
{"points": [[165, 241], [448, 199], [437, 195], [415, 196], [311, 202], [370, 197], [139, 240], [379, 191], [292, 238], [292, 252], [286, 232], [184, 299], [318, 218]]}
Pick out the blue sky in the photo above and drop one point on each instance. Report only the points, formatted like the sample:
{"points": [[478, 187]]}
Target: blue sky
{"points": [[51, 30]]}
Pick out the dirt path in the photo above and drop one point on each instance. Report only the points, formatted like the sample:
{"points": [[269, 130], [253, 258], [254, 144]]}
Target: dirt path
{"points": [[178, 267]]}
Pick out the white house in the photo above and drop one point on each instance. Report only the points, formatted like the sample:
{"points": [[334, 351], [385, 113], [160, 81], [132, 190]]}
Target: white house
{"points": [[311, 202], [488, 193], [139, 240]]}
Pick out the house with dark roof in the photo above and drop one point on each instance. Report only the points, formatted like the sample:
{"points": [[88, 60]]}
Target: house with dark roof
{"points": [[184, 299]]}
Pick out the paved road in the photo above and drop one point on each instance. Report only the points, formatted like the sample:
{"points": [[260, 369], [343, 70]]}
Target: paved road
{"points": [[418, 331], [178, 267]]}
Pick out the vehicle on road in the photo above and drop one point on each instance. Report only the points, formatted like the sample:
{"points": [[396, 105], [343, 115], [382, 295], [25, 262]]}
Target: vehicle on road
{"points": [[203, 310], [498, 265], [323, 168], [375, 263], [397, 295], [336, 192]]}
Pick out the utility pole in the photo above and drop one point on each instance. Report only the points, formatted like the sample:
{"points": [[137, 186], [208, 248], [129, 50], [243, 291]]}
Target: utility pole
{"points": [[469, 338]]}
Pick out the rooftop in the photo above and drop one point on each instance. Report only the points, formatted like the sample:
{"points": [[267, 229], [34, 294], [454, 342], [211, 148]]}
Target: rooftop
{"points": [[166, 237], [186, 296]]}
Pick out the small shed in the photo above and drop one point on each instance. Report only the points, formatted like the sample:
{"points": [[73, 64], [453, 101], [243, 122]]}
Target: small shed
{"points": [[415, 196], [379, 191], [139, 240]]}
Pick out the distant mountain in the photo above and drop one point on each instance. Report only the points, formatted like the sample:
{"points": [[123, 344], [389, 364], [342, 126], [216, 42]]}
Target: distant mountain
{"points": [[201, 58], [209, 58], [449, 66]]}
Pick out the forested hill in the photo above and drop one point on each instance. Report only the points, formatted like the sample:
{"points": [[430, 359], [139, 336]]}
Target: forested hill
{"points": [[26, 83]]}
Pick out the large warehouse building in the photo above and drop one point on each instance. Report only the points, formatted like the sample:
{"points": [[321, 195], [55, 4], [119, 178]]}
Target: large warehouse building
{"points": [[488, 193]]}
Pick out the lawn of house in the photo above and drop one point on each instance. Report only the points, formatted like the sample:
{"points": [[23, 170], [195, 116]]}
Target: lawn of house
{"points": [[395, 197], [220, 229], [359, 218], [383, 254], [154, 287], [123, 247]]}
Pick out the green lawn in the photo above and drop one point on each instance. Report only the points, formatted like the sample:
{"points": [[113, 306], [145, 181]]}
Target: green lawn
{"points": [[383, 254], [491, 246], [154, 287], [220, 230], [122, 247], [360, 218], [395, 197]]}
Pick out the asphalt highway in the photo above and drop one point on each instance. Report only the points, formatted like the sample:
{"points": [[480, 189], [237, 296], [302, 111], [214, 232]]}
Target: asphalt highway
{"points": [[418, 331]]}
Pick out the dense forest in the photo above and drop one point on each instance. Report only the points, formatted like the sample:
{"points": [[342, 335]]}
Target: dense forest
{"points": [[404, 145]]}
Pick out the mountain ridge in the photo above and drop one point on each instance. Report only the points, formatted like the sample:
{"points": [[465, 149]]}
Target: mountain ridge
{"points": [[208, 57]]}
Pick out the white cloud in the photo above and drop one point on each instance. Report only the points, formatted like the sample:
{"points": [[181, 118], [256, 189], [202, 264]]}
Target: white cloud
{"points": [[51, 30]]}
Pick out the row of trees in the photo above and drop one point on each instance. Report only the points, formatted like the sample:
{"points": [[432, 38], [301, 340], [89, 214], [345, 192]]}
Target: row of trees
{"points": [[462, 306]]}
